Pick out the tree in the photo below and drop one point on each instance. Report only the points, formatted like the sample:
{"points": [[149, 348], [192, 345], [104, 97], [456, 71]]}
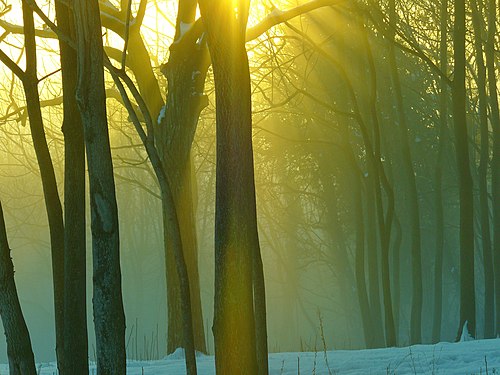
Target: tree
{"points": [[495, 162], [21, 359], [438, 175], [175, 132], [53, 206], [414, 210], [489, 284], [109, 318], [236, 237], [467, 292], [75, 288]]}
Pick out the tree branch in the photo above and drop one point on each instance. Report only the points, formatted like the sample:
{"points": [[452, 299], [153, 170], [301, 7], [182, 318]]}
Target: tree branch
{"points": [[17, 29], [277, 16], [12, 65]]}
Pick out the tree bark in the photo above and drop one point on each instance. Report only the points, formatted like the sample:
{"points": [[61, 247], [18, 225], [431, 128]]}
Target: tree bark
{"points": [[170, 218], [75, 262], [186, 71], [467, 292], [109, 318], [236, 235], [49, 183], [19, 351], [175, 128]]}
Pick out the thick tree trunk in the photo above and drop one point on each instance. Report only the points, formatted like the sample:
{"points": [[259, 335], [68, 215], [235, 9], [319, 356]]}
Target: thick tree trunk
{"points": [[170, 219], [19, 352], [438, 176], [186, 72], [184, 206], [49, 184], [109, 317], [467, 293], [489, 283], [175, 131], [236, 235], [75, 298]]}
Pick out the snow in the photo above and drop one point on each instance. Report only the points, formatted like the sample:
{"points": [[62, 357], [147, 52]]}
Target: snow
{"points": [[162, 114], [465, 336], [469, 357], [184, 28]]}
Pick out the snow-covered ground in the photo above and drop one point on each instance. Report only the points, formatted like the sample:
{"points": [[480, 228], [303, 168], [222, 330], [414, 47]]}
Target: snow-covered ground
{"points": [[471, 357]]}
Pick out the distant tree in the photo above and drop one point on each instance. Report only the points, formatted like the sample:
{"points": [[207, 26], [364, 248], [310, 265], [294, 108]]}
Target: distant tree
{"points": [[459, 94], [484, 157], [414, 208], [438, 174], [495, 162]]}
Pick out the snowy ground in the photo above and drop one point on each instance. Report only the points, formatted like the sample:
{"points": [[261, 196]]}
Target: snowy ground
{"points": [[471, 357]]}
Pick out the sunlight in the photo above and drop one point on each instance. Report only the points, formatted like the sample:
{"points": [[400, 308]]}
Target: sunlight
{"points": [[355, 189]]}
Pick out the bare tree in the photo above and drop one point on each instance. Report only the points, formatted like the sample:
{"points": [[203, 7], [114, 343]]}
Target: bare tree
{"points": [[109, 318], [19, 352], [467, 292]]}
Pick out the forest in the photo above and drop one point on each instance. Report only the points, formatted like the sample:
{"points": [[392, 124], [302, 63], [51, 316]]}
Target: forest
{"points": [[274, 188]]}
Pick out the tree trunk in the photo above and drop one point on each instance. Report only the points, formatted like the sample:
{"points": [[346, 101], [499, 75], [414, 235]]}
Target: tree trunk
{"points": [[467, 293], [373, 264], [186, 72], [384, 219], [396, 274], [489, 282], [413, 206], [175, 129], [359, 258], [49, 184], [495, 163], [186, 215], [438, 176], [75, 262], [109, 317], [170, 219], [236, 235], [19, 352]]}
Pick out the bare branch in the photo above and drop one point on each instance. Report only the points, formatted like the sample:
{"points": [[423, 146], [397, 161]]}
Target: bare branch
{"points": [[17, 29], [127, 31], [277, 16], [61, 36], [140, 14], [11, 65]]}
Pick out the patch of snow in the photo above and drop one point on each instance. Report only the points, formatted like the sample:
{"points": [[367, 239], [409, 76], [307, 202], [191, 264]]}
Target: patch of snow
{"points": [[466, 336], [468, 357], [195, 74], [179, 354], [184, 28], [275, 13], [162, 114]]}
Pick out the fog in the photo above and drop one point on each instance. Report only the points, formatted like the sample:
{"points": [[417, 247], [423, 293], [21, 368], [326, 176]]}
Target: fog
{"points": [[306, 138]]}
